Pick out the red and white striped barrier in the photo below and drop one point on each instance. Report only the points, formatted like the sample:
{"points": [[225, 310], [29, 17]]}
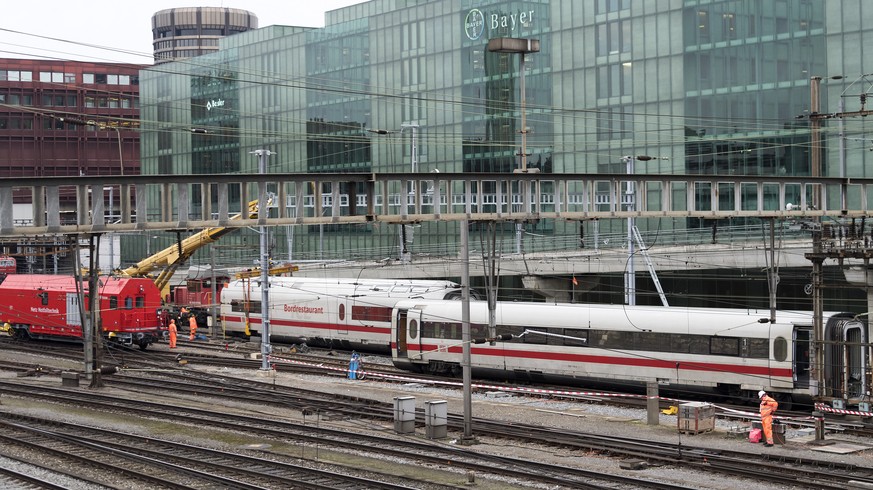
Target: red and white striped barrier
{"points": [[538, 391], [821, 407]]}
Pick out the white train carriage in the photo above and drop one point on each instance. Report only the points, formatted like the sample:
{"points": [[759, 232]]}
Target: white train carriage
{"points": [[729, 351], [346, 313]]}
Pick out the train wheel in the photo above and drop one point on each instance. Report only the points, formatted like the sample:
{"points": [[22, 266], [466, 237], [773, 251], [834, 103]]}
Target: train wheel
{"points": [[143, 345]]}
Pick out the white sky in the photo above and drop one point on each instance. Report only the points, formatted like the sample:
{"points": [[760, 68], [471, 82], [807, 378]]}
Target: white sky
{"points": [[120, 30]]}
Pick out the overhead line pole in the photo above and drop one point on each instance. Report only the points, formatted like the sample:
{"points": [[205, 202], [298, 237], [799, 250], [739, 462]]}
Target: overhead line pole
{"points": [[263, 212]]}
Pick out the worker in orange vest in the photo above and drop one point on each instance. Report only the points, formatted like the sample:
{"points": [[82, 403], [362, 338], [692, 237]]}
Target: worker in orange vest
{"points": [[192, 326], [768, 407], [172, 334]]}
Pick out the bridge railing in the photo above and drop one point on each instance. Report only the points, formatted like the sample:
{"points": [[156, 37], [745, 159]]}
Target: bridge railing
{"points": [[81, 205]]}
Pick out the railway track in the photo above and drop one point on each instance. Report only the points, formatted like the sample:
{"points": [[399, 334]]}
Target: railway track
{"points": [[807, 473], [414, 452], [316, 361], [158, 463]]}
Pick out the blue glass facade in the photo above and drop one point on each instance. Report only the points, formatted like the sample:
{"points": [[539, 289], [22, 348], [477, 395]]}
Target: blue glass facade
{"points": [[706, 86]]}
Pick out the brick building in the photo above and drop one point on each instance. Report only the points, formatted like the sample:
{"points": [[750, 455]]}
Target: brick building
{"points": [[65, 118], [68, 118]]}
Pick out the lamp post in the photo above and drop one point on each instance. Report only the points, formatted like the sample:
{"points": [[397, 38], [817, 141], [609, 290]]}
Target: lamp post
{"points": [[522, 47], [405, 256]]}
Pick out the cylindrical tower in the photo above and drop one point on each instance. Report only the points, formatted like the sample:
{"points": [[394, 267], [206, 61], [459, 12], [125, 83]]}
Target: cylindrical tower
{"points": [[193, 31]]}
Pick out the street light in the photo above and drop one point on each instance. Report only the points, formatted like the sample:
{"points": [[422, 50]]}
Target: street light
{"points": [[522, 47], [405, 256]]}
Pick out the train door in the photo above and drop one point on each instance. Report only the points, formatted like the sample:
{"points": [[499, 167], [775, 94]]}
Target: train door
{"points": [[407, 332], [400, 334], [74, 316], [801, 357]]}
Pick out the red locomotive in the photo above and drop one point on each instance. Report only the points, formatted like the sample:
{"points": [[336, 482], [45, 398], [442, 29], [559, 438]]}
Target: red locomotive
{"points": [[47, 307]]}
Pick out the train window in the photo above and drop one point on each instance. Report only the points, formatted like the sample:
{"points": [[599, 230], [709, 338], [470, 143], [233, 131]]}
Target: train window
{"points": [[245, 306], [651, 341], [342, 311], [699, 345], [371, 313], [780, 349], [612, 340], [140, 301], [535, 338], [113, 302], [757, 348], [478, 331], [575, 337], [413, 329], [680, 343], [441, 330], [128, 303], [514, 330], [724, 346]]}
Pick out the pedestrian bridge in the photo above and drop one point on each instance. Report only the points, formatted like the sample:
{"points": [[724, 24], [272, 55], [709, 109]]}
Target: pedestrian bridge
{"points": [[93, 205]]}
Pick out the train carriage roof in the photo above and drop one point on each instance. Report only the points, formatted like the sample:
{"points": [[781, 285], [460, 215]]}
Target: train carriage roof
{"points": [[714, 321], [60, 283]]}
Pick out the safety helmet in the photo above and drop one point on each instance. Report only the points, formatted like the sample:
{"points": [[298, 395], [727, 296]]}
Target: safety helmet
{"points": [[761, 394]]}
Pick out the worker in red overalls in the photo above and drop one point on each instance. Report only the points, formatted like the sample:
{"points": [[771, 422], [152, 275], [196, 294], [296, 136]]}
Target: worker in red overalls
{"points": [[768, 407], [192, 326], [172, 334]]}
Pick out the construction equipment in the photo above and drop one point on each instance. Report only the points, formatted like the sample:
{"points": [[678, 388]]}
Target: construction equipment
{"points": [[273, 271], [169, 259]]}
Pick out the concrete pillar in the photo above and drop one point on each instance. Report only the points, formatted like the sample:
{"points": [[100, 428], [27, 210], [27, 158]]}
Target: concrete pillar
{"points": [[653, 400]]}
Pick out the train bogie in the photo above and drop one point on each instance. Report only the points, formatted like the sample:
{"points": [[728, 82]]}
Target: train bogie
{"points": [[733, 352]]}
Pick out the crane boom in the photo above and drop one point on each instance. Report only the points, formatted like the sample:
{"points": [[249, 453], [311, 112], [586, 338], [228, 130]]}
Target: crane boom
{"points": [[170, 258]]}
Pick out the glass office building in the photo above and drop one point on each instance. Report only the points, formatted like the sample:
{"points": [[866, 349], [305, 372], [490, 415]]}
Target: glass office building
{"points": [[704, 86]]}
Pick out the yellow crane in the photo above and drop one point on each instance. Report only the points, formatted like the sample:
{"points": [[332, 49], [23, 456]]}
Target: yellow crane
{"points": [[169, 259], [273, 271]]}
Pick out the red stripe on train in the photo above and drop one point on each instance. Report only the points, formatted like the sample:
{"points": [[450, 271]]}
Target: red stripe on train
{"points": [[620, 361], [386, 331]]}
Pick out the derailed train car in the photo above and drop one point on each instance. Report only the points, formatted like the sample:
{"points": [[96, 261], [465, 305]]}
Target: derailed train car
{"points": [[348, 313], [729, 352], [42, 306]]}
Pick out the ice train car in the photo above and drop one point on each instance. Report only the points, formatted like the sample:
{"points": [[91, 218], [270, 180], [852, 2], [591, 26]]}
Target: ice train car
{"points": [[347, 313], [43, 306], [731, 352]]}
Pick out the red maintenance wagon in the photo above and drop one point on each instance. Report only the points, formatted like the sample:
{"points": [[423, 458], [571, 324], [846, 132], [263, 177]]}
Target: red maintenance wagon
{"points": [[39, 306]]}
